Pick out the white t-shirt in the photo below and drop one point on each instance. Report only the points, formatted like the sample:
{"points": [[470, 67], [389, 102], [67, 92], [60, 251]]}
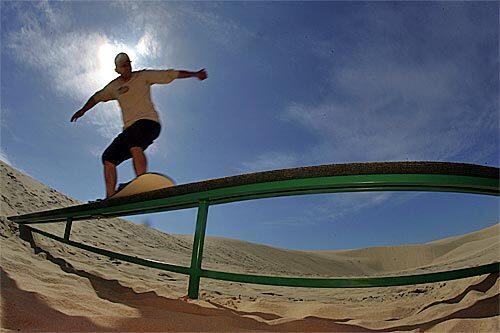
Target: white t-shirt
{"points": [[134, 96]]}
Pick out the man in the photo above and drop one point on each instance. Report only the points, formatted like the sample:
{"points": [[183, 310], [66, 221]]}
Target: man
{"points": [[141, 123]]}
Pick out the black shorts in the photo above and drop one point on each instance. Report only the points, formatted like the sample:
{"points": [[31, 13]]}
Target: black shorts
{"points": [[142, 133]]}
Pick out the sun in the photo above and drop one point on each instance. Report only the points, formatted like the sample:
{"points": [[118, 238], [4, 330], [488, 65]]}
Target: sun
{"points": [[106, 58]]}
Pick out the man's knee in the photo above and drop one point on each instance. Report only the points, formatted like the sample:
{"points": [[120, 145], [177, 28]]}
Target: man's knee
{"points": [[136, 150], [106, 159], [108, 164]]}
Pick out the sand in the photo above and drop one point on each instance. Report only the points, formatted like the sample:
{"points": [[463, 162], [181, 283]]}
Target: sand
{"points": [[49, 286]]}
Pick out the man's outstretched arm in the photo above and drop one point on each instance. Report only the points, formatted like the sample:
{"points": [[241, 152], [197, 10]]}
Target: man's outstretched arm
{"points": [[89, 105], [201, 74]]}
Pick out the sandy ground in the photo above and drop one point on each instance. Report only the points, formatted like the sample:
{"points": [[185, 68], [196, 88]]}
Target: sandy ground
{"points": [[49, 286]]}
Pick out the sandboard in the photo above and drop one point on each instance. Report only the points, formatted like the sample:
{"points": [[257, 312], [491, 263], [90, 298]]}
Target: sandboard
{"points": [[149, 181]]}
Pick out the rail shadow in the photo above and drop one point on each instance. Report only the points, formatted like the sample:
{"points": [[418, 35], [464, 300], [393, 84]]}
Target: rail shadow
{"points": [[157, 313]]}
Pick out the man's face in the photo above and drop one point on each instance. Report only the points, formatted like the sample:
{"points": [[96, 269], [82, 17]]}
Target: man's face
{"points": [[124, 69]]}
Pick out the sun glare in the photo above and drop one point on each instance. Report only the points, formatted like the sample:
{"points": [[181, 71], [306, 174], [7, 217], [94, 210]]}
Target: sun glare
{"points": [[106, 59]]}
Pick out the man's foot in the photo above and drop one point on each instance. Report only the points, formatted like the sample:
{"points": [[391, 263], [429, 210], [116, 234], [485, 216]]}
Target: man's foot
{"points": [[121, 186]]}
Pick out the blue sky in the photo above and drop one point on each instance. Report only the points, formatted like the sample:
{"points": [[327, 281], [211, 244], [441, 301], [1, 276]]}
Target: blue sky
{"points": [[290, 84]]}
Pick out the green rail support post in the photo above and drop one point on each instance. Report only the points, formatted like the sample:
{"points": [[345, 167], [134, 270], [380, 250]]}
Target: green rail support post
{"points": [[25, 233], [67, 230], [197, 256]]}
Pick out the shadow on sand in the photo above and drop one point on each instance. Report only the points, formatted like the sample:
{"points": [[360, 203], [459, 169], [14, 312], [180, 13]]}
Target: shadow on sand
{"points": [[158, 313]]}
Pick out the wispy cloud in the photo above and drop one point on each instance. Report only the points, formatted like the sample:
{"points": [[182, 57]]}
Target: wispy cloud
{"points": [[298, 222], [348, 204], [4, 158], [270, 161], [389, 112], [148, 45], [75, 62], [334, 208], [221, 30], [3, 127], [161, 24], [78, 61], [391, 98], [394, 97], [66, 57]]}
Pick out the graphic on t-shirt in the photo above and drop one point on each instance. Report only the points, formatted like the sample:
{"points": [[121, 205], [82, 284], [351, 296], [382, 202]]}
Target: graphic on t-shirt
{"points": [[122, 90]]}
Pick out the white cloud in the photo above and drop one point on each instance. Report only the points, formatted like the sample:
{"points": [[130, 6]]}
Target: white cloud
{"points": [[393, 101], [53, 16], [299, 222], [3, 126], [75, 63], [335, 207], [4, 158], [95, 151], [385, 111], [396, 101], [148, 45], [67, 59], [351, 203], [389, 119], [393, 113], [270, 161], [158, 22], [221, 29]]}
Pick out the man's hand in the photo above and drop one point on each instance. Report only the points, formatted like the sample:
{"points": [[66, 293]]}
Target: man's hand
{"points": [[89, 105], [201, 74], [77, 115]]}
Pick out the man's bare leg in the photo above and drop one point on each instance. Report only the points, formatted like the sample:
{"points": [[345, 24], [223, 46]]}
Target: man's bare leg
{"points": [[110, 178], [140, 161]]}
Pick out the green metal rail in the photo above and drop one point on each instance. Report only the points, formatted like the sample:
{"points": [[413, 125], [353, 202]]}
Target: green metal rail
{"points": [[354, 177]]}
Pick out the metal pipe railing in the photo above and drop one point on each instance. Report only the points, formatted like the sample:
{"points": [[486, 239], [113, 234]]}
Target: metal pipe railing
{"points": [[472, 179]]}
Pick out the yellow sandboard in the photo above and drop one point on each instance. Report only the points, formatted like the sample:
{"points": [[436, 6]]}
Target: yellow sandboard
{"points": [[149, 181]]}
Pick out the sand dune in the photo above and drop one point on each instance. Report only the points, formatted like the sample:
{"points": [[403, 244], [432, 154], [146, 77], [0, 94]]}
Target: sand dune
{"points": [[48, 286], [477, 248]]}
